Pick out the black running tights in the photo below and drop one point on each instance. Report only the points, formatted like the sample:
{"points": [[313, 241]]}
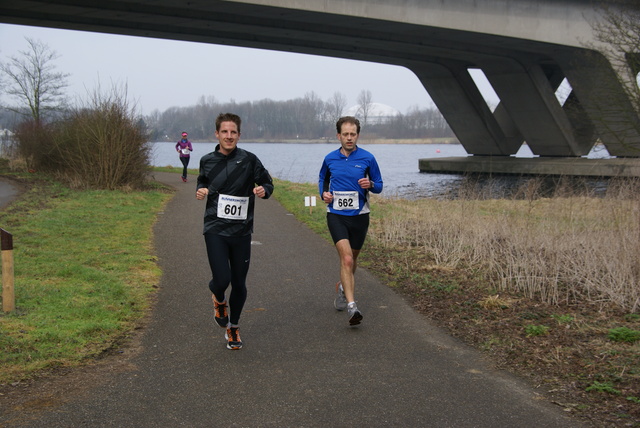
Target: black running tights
{"points": [[229, 258], [185, 164]]}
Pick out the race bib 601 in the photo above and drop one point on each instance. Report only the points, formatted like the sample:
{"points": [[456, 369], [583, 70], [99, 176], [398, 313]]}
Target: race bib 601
{"points": [[233, 207]]}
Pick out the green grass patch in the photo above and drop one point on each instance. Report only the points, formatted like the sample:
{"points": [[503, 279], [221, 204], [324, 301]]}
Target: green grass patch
{"points": [[84, 270], [632, 317], [605, 387], [563, 319], [624, 334], [536, 330], [291, 197]]}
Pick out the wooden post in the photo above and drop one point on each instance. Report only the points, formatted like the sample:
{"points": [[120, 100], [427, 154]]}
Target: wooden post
{"points": [[8, 292]]}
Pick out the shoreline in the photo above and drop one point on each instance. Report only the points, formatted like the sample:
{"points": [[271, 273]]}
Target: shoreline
{"points": [[362, 140]]}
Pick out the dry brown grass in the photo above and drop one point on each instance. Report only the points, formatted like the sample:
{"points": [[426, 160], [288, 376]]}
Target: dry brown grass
{"points": [[557, 250], [536, 283]]}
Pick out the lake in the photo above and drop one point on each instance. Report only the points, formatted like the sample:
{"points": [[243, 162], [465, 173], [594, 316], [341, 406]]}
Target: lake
{"points": [[301, 163]]}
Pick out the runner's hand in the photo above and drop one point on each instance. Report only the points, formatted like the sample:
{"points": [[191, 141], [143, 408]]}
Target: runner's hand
{"points": [[202, 193], [365, 183], [327, 197], [259, 191]]}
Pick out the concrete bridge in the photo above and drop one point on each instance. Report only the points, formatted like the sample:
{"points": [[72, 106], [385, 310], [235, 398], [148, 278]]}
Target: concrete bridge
{"points": [[526, 48]]}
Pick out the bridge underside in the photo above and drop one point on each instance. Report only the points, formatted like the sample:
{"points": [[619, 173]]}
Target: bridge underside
{"points": [[524, 73], [546, 166]]}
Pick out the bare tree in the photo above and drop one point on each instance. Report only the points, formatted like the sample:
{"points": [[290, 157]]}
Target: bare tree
{"points": [[335, 106], [310, 113], [364, 105], [617, 41], [619, 33], [33, 83]]}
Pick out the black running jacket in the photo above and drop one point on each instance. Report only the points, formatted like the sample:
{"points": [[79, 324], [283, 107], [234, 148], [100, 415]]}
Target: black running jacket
{"points": [[235, 174]]}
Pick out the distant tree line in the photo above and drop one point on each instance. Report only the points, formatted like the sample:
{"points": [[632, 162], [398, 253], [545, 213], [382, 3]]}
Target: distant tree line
{"points": [[308, 117], [31, 80]]}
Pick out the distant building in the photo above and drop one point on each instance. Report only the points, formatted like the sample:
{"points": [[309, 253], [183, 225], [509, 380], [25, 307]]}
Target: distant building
{"points": [[379, 113]]}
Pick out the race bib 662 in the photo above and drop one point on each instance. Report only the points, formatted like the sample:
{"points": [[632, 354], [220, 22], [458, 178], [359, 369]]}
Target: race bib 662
{"points": [[346, 200]]}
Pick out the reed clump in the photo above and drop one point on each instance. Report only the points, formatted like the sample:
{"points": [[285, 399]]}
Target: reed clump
{"points": [[559, 249]]}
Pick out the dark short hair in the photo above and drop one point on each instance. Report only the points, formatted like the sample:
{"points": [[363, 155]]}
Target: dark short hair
{"points": [[228, 117], [347, 119]]}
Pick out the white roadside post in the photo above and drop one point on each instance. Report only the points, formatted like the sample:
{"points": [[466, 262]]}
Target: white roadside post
{"points": [[310, 201]]}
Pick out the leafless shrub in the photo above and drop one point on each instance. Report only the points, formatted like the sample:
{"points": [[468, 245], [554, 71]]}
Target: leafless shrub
{"points": [[101, 145]]}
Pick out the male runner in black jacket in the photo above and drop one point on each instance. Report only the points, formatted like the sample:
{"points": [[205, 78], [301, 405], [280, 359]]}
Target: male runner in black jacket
{"points": [[228, 178]]}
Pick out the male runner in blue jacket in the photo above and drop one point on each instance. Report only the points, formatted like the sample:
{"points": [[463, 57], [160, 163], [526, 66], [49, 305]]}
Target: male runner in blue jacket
{"points": [[346, 177]]}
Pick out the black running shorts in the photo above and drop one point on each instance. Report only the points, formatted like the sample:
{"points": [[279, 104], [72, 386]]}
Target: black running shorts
{"points": [[354, 228]]}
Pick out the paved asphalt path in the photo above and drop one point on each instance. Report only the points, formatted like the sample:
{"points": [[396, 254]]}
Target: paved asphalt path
{"points": [[8, 192], [301, 364]]}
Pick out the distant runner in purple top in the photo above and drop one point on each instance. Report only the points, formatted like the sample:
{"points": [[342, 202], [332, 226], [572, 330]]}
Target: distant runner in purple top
{"points": [[184, 148]]}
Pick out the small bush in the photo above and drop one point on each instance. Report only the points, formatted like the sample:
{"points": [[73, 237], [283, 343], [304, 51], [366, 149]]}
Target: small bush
{"points": [[624, 334], [632, 317], [35, 145], [536, 330], [602, 387], [563, 319]]}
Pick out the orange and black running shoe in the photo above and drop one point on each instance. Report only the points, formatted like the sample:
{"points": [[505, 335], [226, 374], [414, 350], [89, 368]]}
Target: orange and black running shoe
{"points": [[220, 312], [233, 338]]}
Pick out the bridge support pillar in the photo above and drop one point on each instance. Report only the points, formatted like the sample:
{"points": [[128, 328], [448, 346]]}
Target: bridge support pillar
{"points": [[457, 97], [528, 95], [601, 97]]}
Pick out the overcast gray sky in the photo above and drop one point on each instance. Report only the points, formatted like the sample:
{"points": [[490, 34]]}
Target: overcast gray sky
{"points": [[162, 73]]}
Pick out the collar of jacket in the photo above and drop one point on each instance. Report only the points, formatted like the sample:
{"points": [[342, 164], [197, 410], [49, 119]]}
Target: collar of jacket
{"points": [[229, 156]]}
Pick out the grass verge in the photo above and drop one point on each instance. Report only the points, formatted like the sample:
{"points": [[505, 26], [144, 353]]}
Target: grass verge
{"points": [[84, 272]]}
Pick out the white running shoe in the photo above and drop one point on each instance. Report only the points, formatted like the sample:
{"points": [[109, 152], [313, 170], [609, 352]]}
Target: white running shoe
{"points": [[355, 316], [340, 302]]}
